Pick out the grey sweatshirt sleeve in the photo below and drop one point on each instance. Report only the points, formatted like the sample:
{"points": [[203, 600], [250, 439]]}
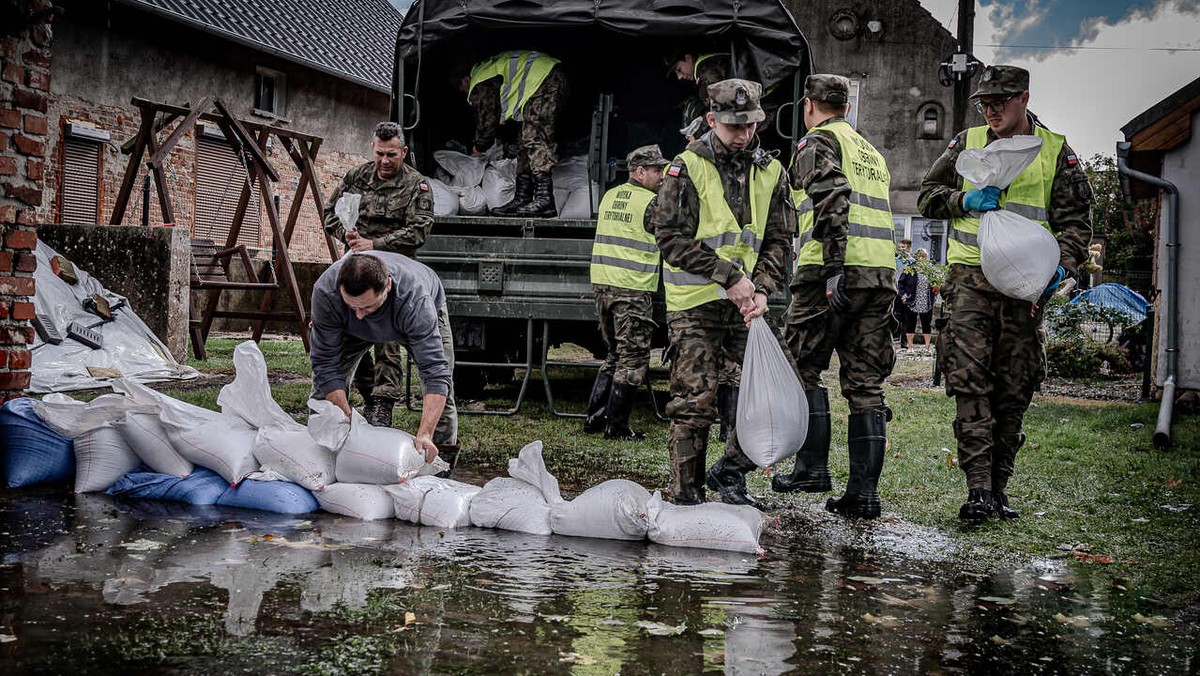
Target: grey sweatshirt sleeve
{"points": [[325, 342], [420, 324]]}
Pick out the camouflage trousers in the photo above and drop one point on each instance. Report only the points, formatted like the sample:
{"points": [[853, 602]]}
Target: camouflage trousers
{"points": [[382, 373], [538, 151], [355, 350], [626, 325], [992, 353], [863, 341]]}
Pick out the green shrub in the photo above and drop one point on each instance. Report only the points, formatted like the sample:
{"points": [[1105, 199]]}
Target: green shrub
{"points": [[1077, 357]]}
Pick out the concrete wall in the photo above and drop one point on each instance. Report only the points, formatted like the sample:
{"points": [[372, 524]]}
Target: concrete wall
{"points": [[898, 75], [1181, 166], [149, 266]]}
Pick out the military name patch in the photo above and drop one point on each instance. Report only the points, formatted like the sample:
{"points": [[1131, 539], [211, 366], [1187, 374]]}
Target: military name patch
{"points": [[423, 185], [1072, 160], [673, 170]]}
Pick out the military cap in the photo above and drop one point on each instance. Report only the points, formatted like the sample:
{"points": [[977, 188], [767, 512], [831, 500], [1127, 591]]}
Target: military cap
{"points": [[646, 156], [826, 87], [735, 101], [1002, 80]]}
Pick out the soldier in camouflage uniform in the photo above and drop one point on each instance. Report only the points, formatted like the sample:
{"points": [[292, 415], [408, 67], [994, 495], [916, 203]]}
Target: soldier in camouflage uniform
{"points": [[395, 214], [704, 70], [842, 294], [723, 221], [531, 88], [624, 273], [992, 349]]}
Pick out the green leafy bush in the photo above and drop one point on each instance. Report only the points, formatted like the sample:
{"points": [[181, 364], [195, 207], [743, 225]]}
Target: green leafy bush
{"points": [[1069, 353]]}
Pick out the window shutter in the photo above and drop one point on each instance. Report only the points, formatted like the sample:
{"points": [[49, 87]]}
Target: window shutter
{"points": [[79, 188], [220, 178]]}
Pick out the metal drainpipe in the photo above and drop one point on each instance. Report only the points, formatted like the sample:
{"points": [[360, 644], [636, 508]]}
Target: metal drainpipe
{"points": [[1162, 431]]}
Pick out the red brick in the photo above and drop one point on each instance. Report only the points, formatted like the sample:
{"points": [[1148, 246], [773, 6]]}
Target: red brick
{"points": [[16, 286], [8, 213], [19, 359], [3, 360], [4, 309], [36, 57], [36, 124], [30, 196], [10, 118], [22, 310], [8, 166], [21, 240], [26, 262], [39, 79], [3, 141], [13, 73], [15, 380], [6, 262], [29, 146], [27, 217], [35, 170], [12, 335], [25, 98]]}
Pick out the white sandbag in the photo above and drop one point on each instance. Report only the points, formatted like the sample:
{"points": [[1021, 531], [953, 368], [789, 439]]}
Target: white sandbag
{"points": [[772, 411], [712, 525], [1018, 255], [249, 395], [570, 173], [433, 501], [499, 182], [613, 510], [580, 204], [529, 467], [445, 202], [361, 501], [144, 433], [291, 452], [367, 454], [466, 171], [71, 417], [511, 504], [471, 201], [102, 457], [346, 209]]}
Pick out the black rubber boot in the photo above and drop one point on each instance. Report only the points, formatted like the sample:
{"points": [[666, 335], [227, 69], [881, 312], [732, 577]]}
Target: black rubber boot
{"points": [[688, 459], [449, 453], [597, 411], [730, 481], [811, 473], [1004, 454], [522, 194], [868, 442], [542, 204], [620, 405], [378, 411], [978, 506], [727, 398]]}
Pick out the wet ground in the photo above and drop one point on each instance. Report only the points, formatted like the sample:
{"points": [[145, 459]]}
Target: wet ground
{"points": [[93, 585]]}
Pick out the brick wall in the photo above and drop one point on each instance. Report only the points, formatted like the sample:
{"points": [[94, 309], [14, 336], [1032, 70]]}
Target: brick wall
{"points": [[24, 87]]}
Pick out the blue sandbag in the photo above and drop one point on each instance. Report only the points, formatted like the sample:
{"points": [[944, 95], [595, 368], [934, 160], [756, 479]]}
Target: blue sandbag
{"points": [[283, 497], [33, 452], [201, 487]]}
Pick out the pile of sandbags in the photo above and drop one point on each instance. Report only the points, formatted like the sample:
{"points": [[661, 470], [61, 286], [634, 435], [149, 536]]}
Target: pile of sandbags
{"points": [[472, 186]]}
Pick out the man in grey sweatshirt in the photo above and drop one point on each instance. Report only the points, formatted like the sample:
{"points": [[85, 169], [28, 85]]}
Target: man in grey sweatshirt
{"points": [[377, 297]]}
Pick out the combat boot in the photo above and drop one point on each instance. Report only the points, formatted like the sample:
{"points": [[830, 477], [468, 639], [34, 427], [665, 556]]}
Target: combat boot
{"points": [[727, 398], [448, 453], [730, 481], [620, 405], [688, 449], [811, 473], [1004, 454], [522, 194], [378, 411], [867, 439], [542, 204], [597, 411], [978, 506]]}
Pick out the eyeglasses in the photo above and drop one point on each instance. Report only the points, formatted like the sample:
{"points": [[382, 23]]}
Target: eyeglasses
{"points": [[996, 106]]}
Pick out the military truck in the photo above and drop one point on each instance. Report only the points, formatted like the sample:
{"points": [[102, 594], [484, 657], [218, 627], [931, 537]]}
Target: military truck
{"points": [[516, 286]]}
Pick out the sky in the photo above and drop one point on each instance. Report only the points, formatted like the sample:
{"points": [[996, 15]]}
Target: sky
{"points": [[1094, 64]]}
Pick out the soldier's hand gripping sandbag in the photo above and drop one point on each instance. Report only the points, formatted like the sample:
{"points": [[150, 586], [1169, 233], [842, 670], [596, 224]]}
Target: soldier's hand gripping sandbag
{"points": [[1018, 255], [772, 411]]}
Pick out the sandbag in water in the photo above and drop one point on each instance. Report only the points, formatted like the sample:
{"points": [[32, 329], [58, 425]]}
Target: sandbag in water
{"points": [[102, 457], [712, 525], [201, 487], [33, 452], [511, 504], [282, 497]]}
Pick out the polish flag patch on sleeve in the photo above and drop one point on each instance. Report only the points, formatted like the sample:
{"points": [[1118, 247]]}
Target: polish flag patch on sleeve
{"points": [[1072, 160], [802, 144], [673, 170], [953, 142], [423, 186]]}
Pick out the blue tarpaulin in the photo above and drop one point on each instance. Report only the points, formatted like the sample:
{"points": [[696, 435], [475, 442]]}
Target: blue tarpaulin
{"points": [[1117, 297]]}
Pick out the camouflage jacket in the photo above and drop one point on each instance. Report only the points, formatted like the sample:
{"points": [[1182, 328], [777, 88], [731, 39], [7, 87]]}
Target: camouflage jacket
{"points": [[711, 71], [674, 217], [1070, 198], [817, 169], [397, 214]]}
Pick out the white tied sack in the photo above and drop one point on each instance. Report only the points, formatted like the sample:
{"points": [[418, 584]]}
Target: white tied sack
{"points": [[249, 395], [445, 201], [772, 411], [102, 457], [71, 417], [346, 209], [367, 454], [145, 435], [499, 182], [360, 501], [433, 501], [465, 170], [511, 504], [712, 525], [1019, 256]]}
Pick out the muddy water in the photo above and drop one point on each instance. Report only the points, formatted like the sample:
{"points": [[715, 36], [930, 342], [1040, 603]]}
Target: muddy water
{"points": [[91, 585]]}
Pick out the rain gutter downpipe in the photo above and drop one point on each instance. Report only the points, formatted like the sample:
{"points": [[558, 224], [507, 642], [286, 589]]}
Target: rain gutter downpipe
{"points": [[1162, 431]]}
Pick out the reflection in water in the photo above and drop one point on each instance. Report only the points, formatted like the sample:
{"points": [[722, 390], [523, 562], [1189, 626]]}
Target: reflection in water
{"points": [[828, 596]]}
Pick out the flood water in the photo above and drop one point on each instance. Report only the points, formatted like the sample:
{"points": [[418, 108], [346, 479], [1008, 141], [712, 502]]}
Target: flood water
{"points": [[89, 584]]}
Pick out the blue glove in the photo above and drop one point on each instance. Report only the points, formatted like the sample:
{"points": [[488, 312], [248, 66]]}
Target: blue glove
{"points": [[985, 199], [1060, 275]]}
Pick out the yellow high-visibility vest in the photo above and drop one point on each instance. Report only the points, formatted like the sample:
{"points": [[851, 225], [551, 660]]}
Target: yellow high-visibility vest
{"points": [[1028, 195], [523, 73], [719, 229], [870, 242], [624, 254]]}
